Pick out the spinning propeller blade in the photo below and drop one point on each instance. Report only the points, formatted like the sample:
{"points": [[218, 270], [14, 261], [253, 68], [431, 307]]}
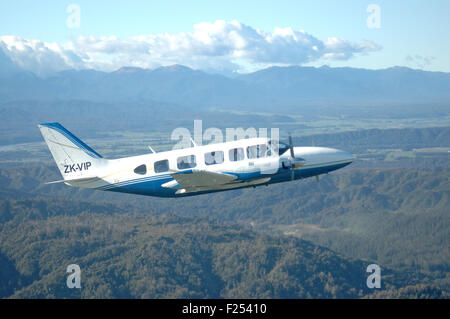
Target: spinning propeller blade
{"points": [[295, 162], [291, 148]]}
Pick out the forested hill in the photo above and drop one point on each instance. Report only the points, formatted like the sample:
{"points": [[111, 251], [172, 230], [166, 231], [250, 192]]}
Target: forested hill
{"points": [[131, 244], [138, 255], [291, 240]]}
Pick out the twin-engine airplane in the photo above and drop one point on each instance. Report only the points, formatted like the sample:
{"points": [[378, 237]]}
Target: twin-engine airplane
{"points": [[189, 171]]}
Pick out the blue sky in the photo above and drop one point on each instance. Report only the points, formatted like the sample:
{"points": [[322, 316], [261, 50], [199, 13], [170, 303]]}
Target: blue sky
{"points": [[411, 33]]}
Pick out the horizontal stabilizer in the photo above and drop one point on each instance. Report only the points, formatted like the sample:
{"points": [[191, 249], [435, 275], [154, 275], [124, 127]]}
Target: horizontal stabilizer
{"points": [[76, 180]]}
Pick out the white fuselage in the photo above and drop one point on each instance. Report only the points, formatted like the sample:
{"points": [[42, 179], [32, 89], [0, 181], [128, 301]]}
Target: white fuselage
{"points": [[250, 162]]}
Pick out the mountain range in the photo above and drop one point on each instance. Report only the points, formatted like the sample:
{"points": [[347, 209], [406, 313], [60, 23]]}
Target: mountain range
{"points": [[280, 86]]}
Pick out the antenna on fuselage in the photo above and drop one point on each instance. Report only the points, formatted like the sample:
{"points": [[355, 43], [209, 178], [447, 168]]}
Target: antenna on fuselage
{"points": [[151, 149], [193, 143]]}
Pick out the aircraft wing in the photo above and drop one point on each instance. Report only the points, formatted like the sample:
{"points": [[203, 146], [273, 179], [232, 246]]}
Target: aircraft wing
{"points": [[195, 181]]}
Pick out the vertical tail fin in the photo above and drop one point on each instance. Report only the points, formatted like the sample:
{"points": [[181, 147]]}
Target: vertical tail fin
{"points": [[74, 158]]}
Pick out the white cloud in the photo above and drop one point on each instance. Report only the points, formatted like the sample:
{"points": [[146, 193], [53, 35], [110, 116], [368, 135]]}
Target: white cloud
{"points": [[39, 57], [419, 60], [221, 45]]}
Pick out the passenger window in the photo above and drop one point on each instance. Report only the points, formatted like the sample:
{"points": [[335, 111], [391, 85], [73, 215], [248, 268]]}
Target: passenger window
{"points": [[141, 169], [236, 154], [161, 166], [252, 151], [262, 150], [214, 158], [257, 151], [184, 162]]}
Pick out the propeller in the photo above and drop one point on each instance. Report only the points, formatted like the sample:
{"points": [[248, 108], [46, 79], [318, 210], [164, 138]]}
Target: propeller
{"points": [[295, 161], [291, 149]]}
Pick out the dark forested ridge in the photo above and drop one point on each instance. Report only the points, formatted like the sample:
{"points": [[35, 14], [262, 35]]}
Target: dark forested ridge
{"points": [[128, 255], [135, 246]]}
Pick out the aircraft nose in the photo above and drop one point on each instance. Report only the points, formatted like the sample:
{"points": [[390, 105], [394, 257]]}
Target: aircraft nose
{"points": [[346, 156], [337, 155], [322, 155]]}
